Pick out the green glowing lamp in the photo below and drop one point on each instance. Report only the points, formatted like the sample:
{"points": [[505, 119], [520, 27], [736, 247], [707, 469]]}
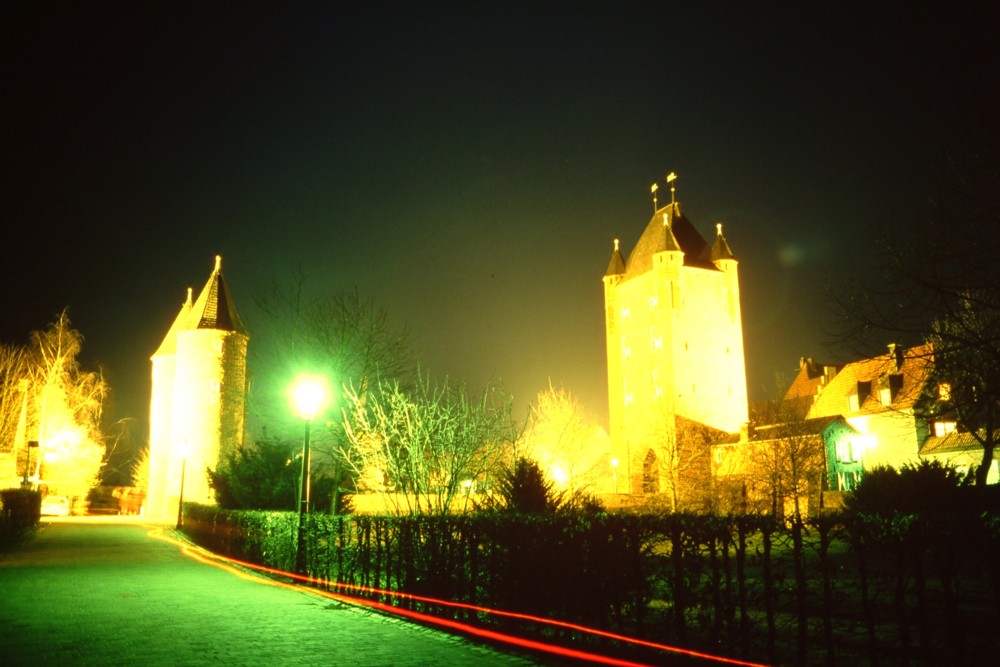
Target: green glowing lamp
{"points": [[309, 394]]}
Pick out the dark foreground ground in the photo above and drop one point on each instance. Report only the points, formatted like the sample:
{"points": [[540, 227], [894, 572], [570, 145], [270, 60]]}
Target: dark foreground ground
{"points": [[105, 591]]}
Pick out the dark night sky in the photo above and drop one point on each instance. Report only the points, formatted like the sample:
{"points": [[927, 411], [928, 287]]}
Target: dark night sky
{"points": [[466, 164]]}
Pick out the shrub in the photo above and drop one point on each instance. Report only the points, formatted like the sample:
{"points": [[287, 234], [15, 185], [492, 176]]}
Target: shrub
{"points": [[20, 510], [928, 485]]}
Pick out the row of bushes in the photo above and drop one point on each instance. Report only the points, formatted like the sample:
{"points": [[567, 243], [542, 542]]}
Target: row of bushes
{"points": [[20, 510], [900, 588]]}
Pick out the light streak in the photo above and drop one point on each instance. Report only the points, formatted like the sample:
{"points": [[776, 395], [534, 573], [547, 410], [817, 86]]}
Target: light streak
{"points": [[233, 566]]}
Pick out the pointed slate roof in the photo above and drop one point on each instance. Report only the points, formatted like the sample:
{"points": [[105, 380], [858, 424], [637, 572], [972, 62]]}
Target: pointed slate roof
{"points": [[911, 365], [214, 309], [617, 265], [668, 230], [720, 249]]}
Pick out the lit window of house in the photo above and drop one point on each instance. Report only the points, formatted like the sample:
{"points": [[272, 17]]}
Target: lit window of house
{"points": [[845, 450], [942, 429]]}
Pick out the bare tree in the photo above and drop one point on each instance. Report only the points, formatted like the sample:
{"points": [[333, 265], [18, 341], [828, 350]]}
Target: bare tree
{"points": [[786, 458], [68, 403], [342, 335], [423, 448], [939, 284], [13, 398], [560, 438]]}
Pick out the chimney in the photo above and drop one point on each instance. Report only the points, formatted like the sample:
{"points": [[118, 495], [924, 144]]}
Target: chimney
{"points": [[896, 356]]}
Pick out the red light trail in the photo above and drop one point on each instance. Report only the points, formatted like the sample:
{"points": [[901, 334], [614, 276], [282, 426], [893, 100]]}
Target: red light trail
{"points": [[232, 566]]}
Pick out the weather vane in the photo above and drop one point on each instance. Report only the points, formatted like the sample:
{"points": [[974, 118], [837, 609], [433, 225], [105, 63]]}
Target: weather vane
{"points": [[653, 188], [671, 177]]}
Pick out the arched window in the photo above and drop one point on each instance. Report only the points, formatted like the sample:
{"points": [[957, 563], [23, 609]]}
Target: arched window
{"points": [[650, 473]]}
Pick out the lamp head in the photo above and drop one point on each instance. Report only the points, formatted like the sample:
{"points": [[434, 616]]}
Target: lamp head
{"points": [[309, 395]]}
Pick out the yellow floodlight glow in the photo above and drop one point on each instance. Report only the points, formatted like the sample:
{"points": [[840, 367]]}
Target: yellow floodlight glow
{"points": [[309, 395]]}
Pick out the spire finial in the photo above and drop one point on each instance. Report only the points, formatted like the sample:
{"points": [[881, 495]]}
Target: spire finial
{"points": [[718, 229], [188, 302], [616, 245], [653, 188], [671, 177], [218, 263]]}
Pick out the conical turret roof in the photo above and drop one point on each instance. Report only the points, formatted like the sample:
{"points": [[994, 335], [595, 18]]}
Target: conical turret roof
{"points": [[720, 249], [617, 265], [213, 309]]}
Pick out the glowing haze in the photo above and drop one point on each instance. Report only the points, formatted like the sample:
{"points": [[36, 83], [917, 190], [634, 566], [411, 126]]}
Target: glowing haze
{"points": [[467, 165]]}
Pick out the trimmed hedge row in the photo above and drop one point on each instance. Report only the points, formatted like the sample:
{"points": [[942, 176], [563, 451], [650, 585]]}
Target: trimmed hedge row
{"points": [[834, 590], [20, 511]]}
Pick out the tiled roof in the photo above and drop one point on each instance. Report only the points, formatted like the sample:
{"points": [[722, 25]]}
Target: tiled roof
{"points": [[808, 383], [908, 368], [815, 426], [953, 442]]}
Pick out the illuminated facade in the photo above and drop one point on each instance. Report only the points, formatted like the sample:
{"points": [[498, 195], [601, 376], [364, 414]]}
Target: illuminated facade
{"points": [[674, 346], [198, 397], [877, 397]]}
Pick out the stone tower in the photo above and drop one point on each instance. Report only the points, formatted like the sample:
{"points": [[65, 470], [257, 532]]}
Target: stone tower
{"points": [[674, 344], [198, 397]]}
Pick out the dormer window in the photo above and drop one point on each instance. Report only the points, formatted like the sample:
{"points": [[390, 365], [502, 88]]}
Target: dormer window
{"points": [[889, 390], [859, 395]]}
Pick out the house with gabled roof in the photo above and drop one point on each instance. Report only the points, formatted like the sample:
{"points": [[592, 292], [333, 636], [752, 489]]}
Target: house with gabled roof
{"points": [[958, 450], [199, 386], [877, 397]]}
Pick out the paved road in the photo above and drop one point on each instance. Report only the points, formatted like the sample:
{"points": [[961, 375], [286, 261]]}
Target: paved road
{"points": [[86, 592]]}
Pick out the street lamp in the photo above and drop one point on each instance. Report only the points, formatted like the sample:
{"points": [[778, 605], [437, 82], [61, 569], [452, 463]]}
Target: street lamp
{"points": [[309, 394], [26, 482], [184, 450], [467, 485], [614, 473]]}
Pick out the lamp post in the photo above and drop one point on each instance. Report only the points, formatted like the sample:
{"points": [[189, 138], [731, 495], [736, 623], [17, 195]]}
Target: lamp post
{"points": [[26, 482], [309, 395], [467, 485], [184, 450], [614, 474]]}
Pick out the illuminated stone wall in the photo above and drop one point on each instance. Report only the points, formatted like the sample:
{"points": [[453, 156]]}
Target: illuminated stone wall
{"points": [[197, 411], [674, 342]]}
